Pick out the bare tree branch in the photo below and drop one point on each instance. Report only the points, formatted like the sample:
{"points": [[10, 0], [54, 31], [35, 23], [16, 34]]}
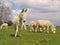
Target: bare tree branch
{"points": [[5, 11]]}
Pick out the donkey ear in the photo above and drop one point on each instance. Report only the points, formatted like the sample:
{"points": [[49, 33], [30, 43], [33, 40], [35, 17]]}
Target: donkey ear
{"points": [[26, 10], [22, 10], [55, 25]]}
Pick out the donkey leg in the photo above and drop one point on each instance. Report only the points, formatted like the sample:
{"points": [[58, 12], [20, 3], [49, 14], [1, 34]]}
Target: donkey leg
{"points": [[6, 27], [16, 31], [1, 27], [36, 28], [24, 26], [47, 29], [53, 30], [21, 26], [44, 28]]}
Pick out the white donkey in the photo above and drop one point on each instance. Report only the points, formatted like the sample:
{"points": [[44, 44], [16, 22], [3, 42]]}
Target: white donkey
{"points": [[33, 26], [46, 24], [4, 25], [19, 22]]}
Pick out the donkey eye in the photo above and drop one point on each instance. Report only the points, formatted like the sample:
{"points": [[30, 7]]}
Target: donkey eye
{"points": [[21, 15]]}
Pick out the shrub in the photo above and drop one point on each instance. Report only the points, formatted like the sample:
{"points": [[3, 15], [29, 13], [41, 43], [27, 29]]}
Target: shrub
{"points": [[0, 22], [9, 23]]}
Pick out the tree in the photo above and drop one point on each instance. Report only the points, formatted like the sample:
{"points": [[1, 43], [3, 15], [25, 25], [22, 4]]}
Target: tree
{"points": [[5, 11]]}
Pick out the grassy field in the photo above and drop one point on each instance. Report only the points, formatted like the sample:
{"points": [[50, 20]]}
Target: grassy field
{"points": [[29, 38]]}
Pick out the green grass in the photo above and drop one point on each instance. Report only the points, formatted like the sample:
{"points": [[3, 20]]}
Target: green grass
{"points": [[29, 38]]}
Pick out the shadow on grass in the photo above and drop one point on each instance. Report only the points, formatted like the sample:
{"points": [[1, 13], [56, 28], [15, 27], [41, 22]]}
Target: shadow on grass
{"points": [[13, 35], [43, 41]]}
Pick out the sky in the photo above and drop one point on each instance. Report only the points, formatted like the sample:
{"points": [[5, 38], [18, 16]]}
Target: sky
{"points": [[37, 9]]}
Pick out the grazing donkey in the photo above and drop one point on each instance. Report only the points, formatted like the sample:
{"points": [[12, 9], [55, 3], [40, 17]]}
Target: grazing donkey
{"points": [[4, 25], [33, 26], [46, 24]]}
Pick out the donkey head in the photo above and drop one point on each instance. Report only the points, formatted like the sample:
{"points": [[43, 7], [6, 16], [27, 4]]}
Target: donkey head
{"points": [[23, 14]]}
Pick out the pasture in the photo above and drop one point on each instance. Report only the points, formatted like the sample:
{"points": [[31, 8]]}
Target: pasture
{"points": [[29, 38]]}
